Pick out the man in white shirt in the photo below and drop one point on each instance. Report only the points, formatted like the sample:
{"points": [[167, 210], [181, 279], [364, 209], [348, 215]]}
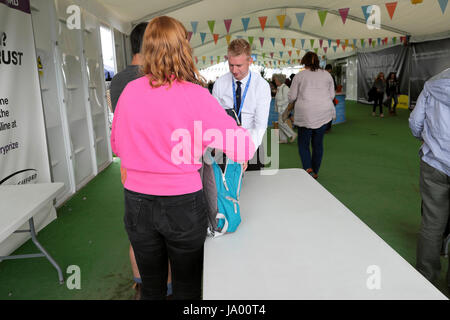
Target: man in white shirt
{"points": [[246, 92]]}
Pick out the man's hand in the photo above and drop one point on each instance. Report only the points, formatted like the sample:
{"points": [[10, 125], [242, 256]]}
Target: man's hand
{"points": [[244, 166], [123, 175]]}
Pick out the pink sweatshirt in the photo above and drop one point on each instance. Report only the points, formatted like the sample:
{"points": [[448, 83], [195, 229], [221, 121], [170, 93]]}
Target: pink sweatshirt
{"points": [[161, 133]]}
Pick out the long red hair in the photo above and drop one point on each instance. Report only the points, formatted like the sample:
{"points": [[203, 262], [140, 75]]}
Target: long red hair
{"points": [[167, 54]]}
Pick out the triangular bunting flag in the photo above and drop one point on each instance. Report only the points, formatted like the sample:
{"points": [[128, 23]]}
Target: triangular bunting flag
{"points": [[370, 41], [329, 43], [322, 16], [211, 24], [394, 40], [298, 52], [344, 13], [283, 41], [443, 5], [353, 46], [216, 37], [379, 41], [320, 42], [250, 40], [262, 22], [346, 42], [403, 39], [281, 19], [338, 41], [196, 59], [271, 55], [270, 63], [203, 36], [273, 41], [325, 49], [228, 37], [354, 43], [245, 22], [218, 59], [289, 61], [362, 43], [386, 40], [204, 59], [391, 8], [263, 54], [312, 42], [373, 44], [334, 48], [293, 42], [316, 50], [261, 40], [303, 43], [289, 53], [227, 24], [189, 36], [366, 11], [194, 25], [281, 54], [300, 16]]}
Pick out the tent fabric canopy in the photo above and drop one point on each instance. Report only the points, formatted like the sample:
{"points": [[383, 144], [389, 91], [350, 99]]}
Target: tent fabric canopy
{"points": [[320, 20]]}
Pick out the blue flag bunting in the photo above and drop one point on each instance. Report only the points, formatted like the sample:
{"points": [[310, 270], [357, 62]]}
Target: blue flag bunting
{"points": [[194, 25], [203, 36], [245, 22], [300, 16]]}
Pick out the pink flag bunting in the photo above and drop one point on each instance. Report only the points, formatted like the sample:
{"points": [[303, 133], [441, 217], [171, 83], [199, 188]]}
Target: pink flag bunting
{"points": [[344, 13], [227, 24]]}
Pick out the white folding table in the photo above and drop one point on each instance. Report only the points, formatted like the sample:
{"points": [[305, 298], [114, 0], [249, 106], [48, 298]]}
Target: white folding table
{"points": [[297, 241], [19, 204]]}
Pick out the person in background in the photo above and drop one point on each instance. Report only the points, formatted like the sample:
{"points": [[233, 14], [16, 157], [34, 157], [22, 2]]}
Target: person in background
{"points": [[313, 91], [247, 93], [392, 91], [430, 123], [118, 83], [165, 210], [380, 85], [329, 68], [281, 103]]}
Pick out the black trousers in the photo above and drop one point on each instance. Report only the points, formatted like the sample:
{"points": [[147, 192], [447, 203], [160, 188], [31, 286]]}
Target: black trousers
{"points": [[378, 101], [162, 228]]}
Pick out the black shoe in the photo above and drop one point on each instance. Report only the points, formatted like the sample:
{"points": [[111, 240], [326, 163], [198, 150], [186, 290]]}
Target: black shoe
{"points": [[137, 287]]}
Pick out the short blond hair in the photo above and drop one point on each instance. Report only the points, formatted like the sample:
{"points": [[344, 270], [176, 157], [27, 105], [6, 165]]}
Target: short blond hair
{"points": [[238, 47]]}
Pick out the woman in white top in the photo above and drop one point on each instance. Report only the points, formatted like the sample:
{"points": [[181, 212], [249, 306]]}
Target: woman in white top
{"points": [[313, 92], [281, 103]]}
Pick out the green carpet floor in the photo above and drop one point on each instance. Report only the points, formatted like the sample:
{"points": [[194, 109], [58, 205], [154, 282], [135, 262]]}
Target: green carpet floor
{"points": [[370, 164]]}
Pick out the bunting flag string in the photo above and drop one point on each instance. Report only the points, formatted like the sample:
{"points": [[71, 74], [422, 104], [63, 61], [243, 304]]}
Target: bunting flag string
{"points": [[273, 41], [344, 13], [346, 42], [366, 11], [300, 17], [290, 53], [228, 37], [320, 42], [216, 38], [370, 42], [322, 16], [261, 40], [303, 43], [283, 41], [293, 42], [202, 37], [281, 19], [362, 43], [262, 22], [250, 40], [227, 24], [443, 5], [298, 52], [194, 25], [325, 49], [211, 24], [329, 43], [312, 42], [391, 8], [245, 22], [281, 54], [394, 40], [338, 41]]}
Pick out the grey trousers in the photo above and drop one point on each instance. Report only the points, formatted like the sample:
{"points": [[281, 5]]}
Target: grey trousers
{"points": [[435, 192]]}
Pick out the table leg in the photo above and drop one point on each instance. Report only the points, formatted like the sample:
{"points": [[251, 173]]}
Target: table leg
{"points": [[41, 248]]}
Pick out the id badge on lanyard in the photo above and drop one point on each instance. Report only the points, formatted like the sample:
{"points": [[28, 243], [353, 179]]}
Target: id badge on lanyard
{"points": [[243, 96]]}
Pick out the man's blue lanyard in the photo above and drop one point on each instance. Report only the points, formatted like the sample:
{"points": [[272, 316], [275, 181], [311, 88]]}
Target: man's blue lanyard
{"points": [[243, 96]]}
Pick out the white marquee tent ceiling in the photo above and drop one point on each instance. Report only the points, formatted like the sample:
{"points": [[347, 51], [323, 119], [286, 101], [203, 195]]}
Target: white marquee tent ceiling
{"points": [[417, 20]]}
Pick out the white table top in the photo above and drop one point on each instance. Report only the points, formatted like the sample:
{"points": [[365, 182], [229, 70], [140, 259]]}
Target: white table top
{"points": [[20, 202], [296, 241]]}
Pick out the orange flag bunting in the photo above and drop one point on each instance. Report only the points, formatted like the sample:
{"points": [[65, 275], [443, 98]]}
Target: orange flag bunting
{"points": [[290, 53], [391, 8], [228, 37], [262, 22], [293, 42], [216, 37], [281, 19], [298, 52], [346, 42], [283, 40], [338, 42]]}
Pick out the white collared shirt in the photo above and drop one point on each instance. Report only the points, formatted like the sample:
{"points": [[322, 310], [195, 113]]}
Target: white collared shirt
{"points": [[256, 107]]}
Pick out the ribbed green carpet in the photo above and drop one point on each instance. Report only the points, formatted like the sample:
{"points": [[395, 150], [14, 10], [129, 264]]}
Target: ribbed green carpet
{"points": [[370, 164]]}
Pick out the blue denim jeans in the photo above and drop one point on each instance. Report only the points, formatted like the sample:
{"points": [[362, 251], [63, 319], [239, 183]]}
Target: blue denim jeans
{"points": [[162, 228], [314, 138]]}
